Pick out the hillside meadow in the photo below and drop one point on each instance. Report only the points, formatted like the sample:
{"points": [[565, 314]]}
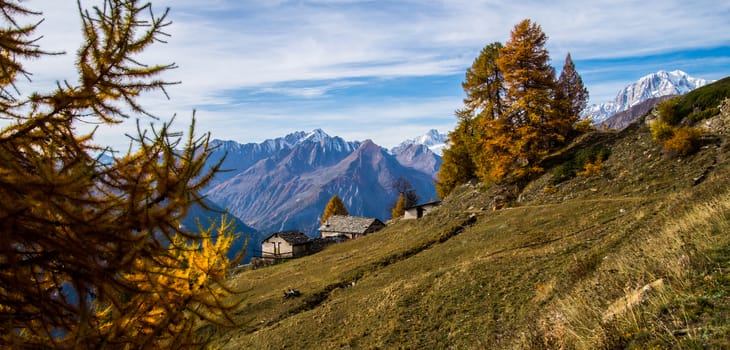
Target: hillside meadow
{"points": [[636, 255]]}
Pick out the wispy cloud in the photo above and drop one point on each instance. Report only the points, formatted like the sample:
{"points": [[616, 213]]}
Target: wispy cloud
{"points": [[289, 59]]}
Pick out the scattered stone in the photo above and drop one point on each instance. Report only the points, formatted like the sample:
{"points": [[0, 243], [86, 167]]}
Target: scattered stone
{"points": [[697, 180], [632, 299], [681, 332], [291, 293]]}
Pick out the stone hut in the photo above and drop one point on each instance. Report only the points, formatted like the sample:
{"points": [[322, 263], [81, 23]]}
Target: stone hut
{"points": [[349, 227], [418, 211], [285, 245]]}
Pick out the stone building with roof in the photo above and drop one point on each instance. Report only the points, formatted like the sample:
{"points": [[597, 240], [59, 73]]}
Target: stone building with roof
{"points": [[418, 211], [349, 227], [284, 245]]}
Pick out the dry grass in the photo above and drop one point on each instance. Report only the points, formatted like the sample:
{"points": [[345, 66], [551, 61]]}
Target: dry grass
{"points": [[678, 252], [541, 274]]}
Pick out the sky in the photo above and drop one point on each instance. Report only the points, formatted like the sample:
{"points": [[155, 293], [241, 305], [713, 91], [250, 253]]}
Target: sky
{"points": [[381, 70]]}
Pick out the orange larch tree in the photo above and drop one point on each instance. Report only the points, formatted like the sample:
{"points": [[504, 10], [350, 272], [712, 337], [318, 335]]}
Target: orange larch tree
{"points": [[92, 250], [530, 112]]}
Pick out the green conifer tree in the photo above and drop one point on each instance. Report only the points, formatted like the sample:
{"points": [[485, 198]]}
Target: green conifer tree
{"points": [[466, 155], [571, 95]]}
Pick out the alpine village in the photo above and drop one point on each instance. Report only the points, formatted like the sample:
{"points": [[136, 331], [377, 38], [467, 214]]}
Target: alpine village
{"points": [[538, 222]]}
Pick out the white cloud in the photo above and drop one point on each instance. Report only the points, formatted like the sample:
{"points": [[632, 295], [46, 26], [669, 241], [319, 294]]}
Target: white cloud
{"points": [[307, 49]]}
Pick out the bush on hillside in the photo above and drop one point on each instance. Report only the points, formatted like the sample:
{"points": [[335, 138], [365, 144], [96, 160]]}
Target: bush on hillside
{"points": [[684, 142], [668, 111], [661, 131], [590, 169], [586, 162], [696, 105], [563, 172], [704, 114]]}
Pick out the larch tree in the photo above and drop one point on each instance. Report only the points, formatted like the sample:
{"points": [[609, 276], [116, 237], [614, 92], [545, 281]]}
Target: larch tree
{"points": [[571, 95], [399, 209], [404, 187], [334, 207], [530, 114], [457, 165], [92, 252], [466, 155], [492, 130], [484, 85]]}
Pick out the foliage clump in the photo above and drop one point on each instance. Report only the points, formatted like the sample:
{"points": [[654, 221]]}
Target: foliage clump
{"points": [[334, 207], [93, 253], [587, 162], [683, 142], [696, 105], [661, 131], [457, 165], [515, 112], [675, 140], [400, 207]]}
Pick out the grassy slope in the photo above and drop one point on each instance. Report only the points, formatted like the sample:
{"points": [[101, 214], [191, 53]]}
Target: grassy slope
{"points": [[540, 274]]}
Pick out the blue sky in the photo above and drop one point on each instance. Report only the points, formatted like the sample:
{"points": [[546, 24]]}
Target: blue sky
{"points": [[382, 70]]}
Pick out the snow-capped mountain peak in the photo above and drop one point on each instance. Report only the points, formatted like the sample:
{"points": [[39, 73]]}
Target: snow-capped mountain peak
{"points": [[432, 139], [661, 83], [316, 135]]}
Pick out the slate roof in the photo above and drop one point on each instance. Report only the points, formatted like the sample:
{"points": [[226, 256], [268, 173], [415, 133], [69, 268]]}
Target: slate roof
{"points": [[291, 237], [434, 203], [348, 224]]}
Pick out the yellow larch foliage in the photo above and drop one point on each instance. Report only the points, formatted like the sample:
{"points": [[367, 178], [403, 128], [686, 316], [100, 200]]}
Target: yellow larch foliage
{"points": [[400, 207], [334, 207], [173, 293], [92, 253]]}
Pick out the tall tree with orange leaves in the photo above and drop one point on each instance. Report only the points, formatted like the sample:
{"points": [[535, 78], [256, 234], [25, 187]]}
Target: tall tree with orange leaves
{"points": [[468, 156], [531, 118]]}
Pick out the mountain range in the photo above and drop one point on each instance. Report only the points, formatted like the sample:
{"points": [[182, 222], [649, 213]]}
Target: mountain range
{"points": [[433, 139], [285, 183], [659, 84]]}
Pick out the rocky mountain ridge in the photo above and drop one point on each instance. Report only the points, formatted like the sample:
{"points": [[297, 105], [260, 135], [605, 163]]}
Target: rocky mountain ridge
{"points": [[285, 183]]}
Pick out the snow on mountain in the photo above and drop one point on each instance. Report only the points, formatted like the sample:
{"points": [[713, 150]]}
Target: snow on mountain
{"points": [[419, 157], [661, 83], [434, 140], [242, 156], [284, 183]]}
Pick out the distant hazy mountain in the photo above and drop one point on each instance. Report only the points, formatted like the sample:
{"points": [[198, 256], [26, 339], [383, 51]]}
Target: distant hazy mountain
{"points": [[654, 85], [285, 183], [434, 140]]}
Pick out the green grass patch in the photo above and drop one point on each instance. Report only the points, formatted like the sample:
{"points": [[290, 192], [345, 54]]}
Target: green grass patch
{"points": [[577, 164], [696, 105]]}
